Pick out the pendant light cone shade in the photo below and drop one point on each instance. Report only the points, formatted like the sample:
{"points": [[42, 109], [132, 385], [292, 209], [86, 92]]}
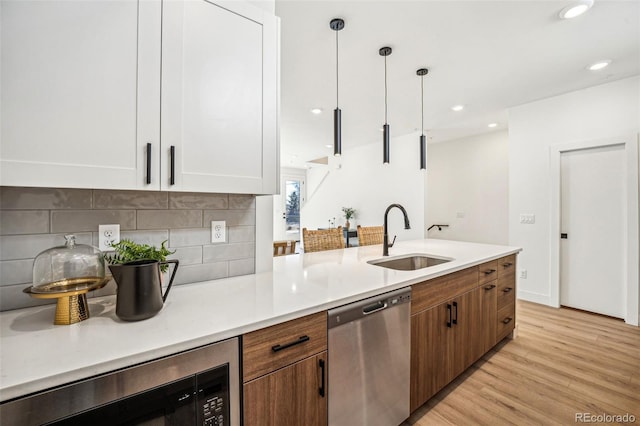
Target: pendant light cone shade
{"points": [[423, 139], [385, 144], [337, 24], [386, 135], [337, 132]]}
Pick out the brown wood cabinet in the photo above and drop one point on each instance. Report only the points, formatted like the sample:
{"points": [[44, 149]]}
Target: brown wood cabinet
{"points": [[455, 320], [289, 396], [285, 372]]}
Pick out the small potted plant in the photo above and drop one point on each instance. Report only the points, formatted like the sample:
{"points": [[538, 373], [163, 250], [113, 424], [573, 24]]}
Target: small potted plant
{"points": [[136, 269], [349, 212]]}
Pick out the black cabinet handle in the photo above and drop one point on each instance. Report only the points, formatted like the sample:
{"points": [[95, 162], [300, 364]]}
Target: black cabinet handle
{"points": [[172, 178], [148, 163], [507, 320], [507, 290], [321, 389], [449, 311], [301, 339], [455, 318], [508, 264], [489, 271], [490, 287]]}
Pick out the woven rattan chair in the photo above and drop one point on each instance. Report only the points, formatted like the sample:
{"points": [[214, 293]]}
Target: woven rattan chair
{"points": [[370, 235], [322, 239]]}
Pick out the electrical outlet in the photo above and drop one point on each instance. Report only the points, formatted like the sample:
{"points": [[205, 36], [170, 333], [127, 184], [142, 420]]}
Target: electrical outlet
{"points": [[218, 231], [523, 274], [528, 219], [107, 235]]}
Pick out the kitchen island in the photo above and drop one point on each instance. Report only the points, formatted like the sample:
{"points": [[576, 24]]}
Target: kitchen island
{"points": [[37, 355]]}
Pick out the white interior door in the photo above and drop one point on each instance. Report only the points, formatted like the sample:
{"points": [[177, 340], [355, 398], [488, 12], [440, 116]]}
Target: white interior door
{"points": [[593, 256], [287, 206]]}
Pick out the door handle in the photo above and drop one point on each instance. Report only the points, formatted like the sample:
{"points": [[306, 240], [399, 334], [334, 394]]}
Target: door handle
{"points": [[172, 178], [507, 290], [148, 163], [321, 389], [455, 319], [564, 235], [449, 311]]}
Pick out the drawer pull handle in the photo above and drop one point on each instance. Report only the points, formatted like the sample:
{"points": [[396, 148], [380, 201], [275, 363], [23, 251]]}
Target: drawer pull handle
{"points": [[321, 389], [507, 265], [301, 339], [507, 290], [490, 287], [507, 320], [489, 271]]}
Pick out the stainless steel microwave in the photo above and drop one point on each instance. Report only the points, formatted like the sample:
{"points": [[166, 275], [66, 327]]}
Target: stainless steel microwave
{"points": [[196, 387]]}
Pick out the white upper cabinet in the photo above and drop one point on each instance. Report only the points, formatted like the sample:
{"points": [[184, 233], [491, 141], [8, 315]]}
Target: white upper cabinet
{"points": [[219, 96], [69, 94], [105, 94]]}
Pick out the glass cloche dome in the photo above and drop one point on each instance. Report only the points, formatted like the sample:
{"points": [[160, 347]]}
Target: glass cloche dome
{"points": [[68, 268]]}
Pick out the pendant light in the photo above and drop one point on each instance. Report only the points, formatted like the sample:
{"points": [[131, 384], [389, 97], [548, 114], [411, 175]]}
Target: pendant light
{"points": [[385, 51], [423, 139], [337, 24]]}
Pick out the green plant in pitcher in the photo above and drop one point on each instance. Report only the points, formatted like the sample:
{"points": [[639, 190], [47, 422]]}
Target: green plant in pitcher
{"points": [[129, 251]]}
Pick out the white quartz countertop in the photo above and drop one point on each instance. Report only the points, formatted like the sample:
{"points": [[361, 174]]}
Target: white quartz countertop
{"points": [[37, 355]]}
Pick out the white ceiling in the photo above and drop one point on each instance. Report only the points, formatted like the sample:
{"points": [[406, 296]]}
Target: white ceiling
{"points": [[487, 55]]}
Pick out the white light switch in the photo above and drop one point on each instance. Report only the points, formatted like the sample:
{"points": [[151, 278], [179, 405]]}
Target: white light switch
{"points": [[528, 219], [218, 231]]}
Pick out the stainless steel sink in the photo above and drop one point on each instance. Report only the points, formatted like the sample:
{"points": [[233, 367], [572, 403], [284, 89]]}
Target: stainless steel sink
{"points": [[409, 262]]}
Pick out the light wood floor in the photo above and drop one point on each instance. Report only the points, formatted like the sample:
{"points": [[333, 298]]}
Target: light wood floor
{"points": [[562, 362]]}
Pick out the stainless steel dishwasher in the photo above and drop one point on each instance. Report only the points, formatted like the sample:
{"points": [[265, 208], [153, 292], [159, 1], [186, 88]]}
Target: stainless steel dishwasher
{"points": [[369, 361]]}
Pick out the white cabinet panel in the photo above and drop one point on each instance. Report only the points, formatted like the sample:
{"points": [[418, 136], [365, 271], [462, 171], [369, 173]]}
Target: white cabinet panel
{"points": [[69, 93], [217, 103]]}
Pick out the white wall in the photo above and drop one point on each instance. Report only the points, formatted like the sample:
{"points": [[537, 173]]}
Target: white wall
{"points": [[598, 112], [467, 188], [358, 179]]}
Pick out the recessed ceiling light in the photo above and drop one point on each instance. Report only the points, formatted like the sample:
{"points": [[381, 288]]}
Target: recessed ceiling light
{"points": [[599, 65], [316, 111], [457, 107], [492, 125], [575, 9]]}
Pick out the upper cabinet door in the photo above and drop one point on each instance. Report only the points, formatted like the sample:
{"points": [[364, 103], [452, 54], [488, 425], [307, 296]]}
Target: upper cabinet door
{"points": [[218, 108], [72, 89]]}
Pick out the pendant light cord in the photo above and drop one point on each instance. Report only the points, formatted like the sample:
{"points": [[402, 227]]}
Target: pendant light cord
{"points": [[422, 103], [337, 81]]}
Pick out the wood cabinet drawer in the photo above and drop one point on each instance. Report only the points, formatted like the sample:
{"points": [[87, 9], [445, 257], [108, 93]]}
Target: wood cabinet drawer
{"points": [[433, 292], [487, 272], [269, 349], [506, 290], [506, 321], [507, 265]]}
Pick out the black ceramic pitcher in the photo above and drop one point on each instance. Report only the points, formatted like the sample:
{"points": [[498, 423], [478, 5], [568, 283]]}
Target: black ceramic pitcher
{"points": [[139, 293]]}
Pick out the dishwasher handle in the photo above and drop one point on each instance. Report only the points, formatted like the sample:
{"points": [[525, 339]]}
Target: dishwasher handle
{"points": [[375, 307]]}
